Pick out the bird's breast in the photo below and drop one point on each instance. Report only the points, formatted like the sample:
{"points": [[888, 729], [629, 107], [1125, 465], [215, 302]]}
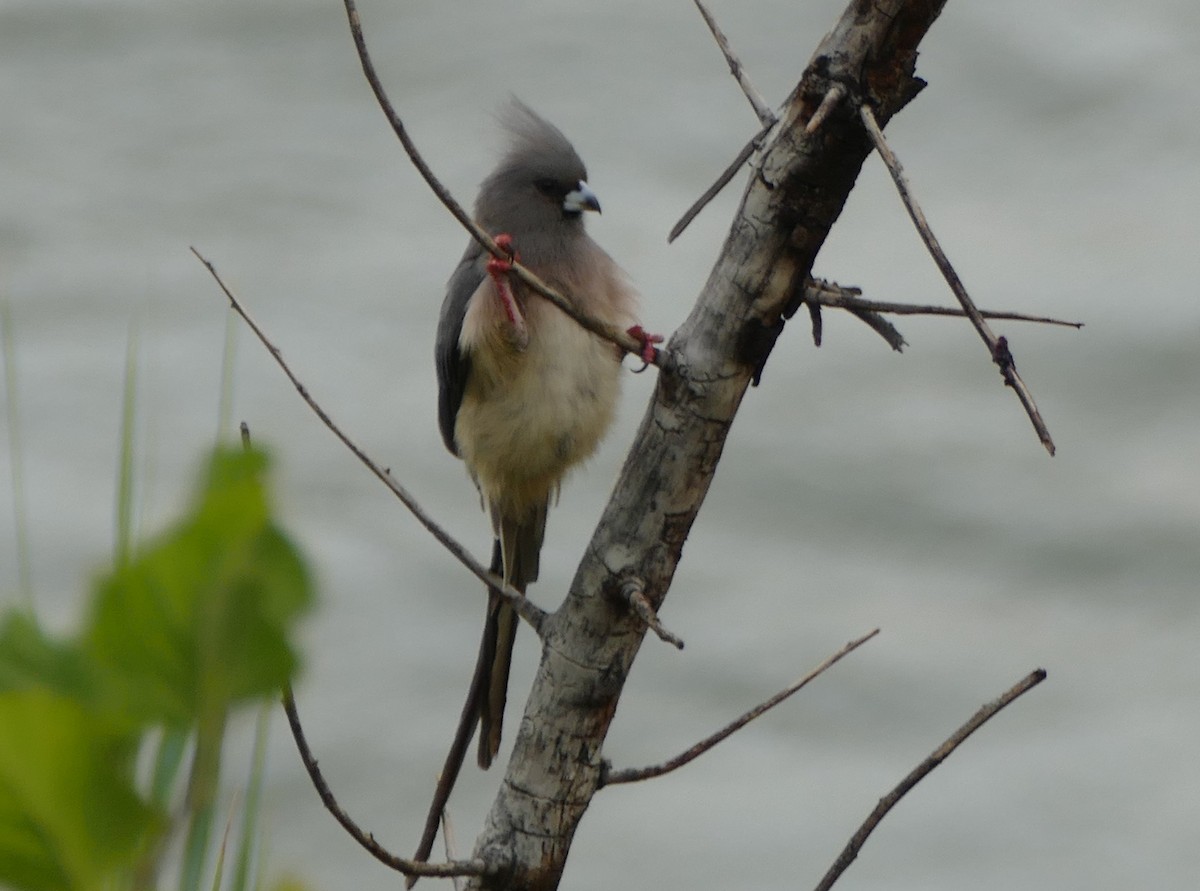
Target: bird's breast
{"points": [[531, 413]]}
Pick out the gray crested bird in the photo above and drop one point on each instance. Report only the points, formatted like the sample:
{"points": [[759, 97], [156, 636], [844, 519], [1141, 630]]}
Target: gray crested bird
{"points": [[524, 392]]}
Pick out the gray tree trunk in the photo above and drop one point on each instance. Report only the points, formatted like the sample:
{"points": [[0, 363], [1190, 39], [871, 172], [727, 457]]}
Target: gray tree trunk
{"points": [[795, 193]]}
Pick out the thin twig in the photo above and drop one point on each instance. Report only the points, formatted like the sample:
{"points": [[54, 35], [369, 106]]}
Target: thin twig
{"points": [[366, 839], [525, 608], [450, 845], [880, 326], [997, 346], [612, 777], [830, 294], [921, 770], [611, 333], [721, 182], [765, 116], [635, 598]]}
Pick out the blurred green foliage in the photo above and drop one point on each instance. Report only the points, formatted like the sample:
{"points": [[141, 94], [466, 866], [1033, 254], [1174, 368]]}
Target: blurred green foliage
{"points": [[187, 627]]}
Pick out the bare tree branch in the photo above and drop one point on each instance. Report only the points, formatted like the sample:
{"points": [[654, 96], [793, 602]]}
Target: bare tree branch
{"points": [[881, 326], [997, 346], [475, 867], [831, 294], [850, 852], [623, 339], [526, 609], [766, 117], [721, 182], [613, 777], [451, 845]]}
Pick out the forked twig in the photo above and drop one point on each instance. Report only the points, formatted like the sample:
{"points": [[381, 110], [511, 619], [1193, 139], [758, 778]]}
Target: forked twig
{"points": [[819, 293], [366, 839], [611, 333], [611, 777], [997, 346], [766, 117], [850, 852], [524, 607], [830, 294]]}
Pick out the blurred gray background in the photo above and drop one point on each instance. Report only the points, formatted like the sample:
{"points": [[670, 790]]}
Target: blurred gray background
{"points": [[1055, 152]]}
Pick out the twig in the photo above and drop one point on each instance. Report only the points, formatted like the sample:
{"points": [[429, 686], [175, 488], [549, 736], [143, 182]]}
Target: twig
{"points": [[612, 777], [765, 116], [366, 839], [608, 332], [828, 293], [635, 598], [880, 326], [999, 351], [525, 608], [921, 770], [448, 841], [830, 101], [721, 182]]}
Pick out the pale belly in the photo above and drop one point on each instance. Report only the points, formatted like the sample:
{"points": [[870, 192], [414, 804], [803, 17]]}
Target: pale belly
{"points": [[528, 416]]}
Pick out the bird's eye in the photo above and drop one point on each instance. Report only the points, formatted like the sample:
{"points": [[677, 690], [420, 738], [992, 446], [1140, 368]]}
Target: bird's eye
{"points": [[547, 187]]}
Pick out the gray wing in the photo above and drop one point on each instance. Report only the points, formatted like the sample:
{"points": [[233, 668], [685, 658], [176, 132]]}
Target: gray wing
{"points": [[453, 366]]}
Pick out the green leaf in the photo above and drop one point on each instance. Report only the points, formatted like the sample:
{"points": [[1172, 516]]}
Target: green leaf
{"points": [[69, 818], [29, 659], [200, 619]]}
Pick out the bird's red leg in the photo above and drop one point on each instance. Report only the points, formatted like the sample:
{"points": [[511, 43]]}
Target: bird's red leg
{"points": [[498, 268], [649, 353]]}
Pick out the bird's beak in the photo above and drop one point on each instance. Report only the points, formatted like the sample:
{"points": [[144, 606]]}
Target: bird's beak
{"points": [[581, 198]]}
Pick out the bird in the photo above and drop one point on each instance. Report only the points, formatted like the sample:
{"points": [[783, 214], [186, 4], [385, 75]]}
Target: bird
{"points": [[525, 393]]}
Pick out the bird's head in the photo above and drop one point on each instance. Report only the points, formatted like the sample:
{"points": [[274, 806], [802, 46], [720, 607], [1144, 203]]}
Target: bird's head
{"points": [[540, 185]]}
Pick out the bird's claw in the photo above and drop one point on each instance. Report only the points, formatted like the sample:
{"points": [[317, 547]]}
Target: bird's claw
{"points": [[500, 265], [649, 352]]}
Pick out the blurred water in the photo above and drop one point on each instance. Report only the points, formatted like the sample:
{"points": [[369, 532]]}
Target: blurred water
{"points": [[1055, 152]]}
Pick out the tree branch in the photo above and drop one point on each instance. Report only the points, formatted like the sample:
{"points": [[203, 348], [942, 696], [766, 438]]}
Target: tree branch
{"points": [[721, 182], [475, 867], [526, 609], [997, 346], [613, 777], [850, 852], [766, 117], [611, 333], [831, 294]]}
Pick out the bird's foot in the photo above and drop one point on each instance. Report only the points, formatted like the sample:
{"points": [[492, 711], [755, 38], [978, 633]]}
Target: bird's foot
{"points": [[499, 268], [649, 352]]}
